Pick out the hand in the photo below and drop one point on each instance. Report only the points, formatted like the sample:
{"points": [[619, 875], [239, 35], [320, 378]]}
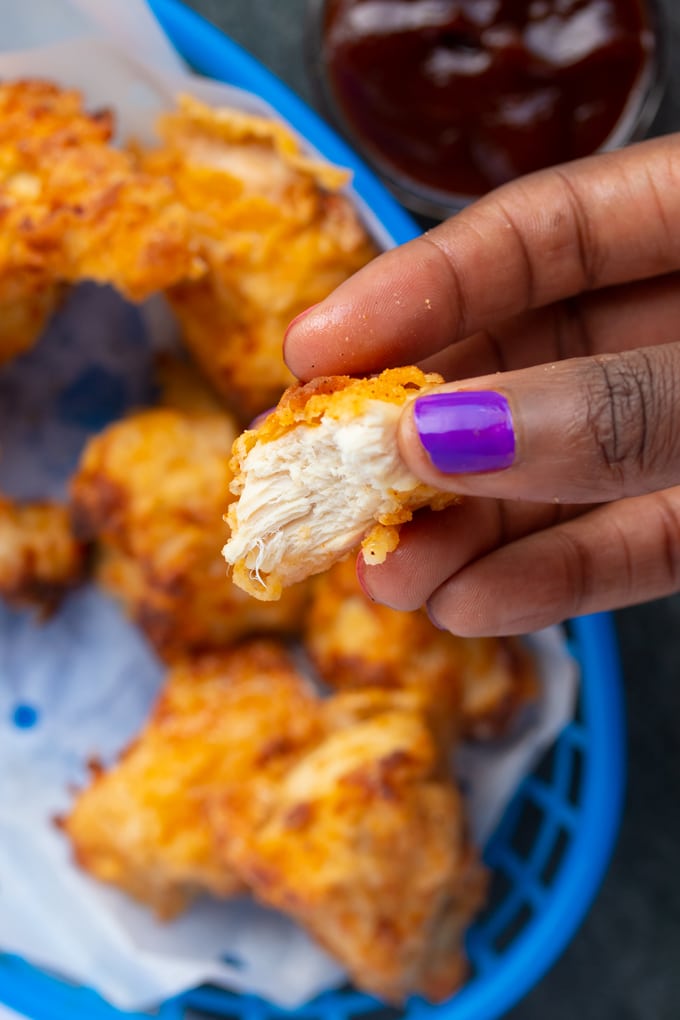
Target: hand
{"points": [[566, 283]]}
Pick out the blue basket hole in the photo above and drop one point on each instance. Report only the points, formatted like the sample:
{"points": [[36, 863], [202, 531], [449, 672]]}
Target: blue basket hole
{"points": [[514, 928], [499, 889], [579, 713], [232, 960], [211, 1012], [212, 1001], [552, 866], [25, 716], [576, 778], [527, 828], [545, 770], [379, 1013]]}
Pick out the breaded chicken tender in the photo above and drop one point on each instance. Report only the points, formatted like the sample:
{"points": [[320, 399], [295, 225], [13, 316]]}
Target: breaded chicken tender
{"points": [[152, 490], [470, 687], [27, 300], [361, 838], [499, 680], [40, 557], [274, 230], [73, 208], [143, 825], [319, 476]]}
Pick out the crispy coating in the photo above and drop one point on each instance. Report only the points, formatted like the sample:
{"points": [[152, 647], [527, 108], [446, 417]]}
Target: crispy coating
{"points": [[40, 558], [27, 300], [361, 838], [143, 825], [499, 680], [320, 475], [152, 489], [470, 687], [275, 232], [72, 208]]}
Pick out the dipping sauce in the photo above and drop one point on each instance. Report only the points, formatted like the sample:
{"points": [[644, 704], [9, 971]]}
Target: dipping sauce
{"points": [[463, 95]]}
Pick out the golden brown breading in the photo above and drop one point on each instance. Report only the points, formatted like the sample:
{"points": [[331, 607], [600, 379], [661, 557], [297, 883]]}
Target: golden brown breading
{"points": [[152, 489], [320, 474], [72, 208], [361, 838], [470, 687], [27, 301], [355, 643], [40, 558], [499, 679], [143, 824], [275, 232]]}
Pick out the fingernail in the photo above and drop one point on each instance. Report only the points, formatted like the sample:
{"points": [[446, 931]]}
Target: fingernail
{"points": [[466, 432]]}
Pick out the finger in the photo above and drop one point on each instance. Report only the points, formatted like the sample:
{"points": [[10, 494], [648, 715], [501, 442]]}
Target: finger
{"points": [[614, 556], [436, 545], [602, 322], [589, 224], [580, 431]]}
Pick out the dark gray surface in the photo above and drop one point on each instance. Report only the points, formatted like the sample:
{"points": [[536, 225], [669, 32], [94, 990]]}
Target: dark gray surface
{"points": [[625, 962]]}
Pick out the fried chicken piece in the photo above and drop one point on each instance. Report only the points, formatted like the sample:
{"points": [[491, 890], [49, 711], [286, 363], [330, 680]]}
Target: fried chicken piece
{"points": [[275, 232], [27, 301], [40, 558], [361, 838], [499, 680], [319, 476], [356, 643], [152, 489], [470, 687], [73, 208], [143, 825]]}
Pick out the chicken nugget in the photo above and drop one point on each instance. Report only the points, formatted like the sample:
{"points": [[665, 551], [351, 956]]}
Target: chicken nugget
{"points": [[152, 490], [72, 207], [274, 230], [361, 837], [470, 687], [319, 476], [40, 557], [143, 824]]}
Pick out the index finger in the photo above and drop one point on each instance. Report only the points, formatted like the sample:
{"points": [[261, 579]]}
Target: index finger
{"points": [[605, 220]]}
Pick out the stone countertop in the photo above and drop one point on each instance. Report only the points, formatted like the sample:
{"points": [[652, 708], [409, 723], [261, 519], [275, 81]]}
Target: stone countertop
{"points": [[624, 964]]}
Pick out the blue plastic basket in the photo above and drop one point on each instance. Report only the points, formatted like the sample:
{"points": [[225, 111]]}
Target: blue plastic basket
{"points": [[552, 847]]}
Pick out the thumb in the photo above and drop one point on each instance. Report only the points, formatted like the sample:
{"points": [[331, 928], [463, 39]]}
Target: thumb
{"points": [[579, 431]]}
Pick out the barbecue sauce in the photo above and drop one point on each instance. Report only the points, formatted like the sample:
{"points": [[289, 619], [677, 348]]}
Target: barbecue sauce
{"points": [[463, 95]]}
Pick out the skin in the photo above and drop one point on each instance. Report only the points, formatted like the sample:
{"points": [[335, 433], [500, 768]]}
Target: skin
{"points": [[561, 291]]}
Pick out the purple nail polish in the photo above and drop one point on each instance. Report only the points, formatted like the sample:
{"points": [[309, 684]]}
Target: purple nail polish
{"points": [[466, 432]]}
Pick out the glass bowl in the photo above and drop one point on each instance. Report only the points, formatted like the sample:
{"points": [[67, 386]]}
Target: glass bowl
{"points": [[632, 125]]}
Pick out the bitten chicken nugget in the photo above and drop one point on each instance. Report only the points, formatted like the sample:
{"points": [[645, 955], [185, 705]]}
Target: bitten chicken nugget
{"points": [[152, 490], [470, 687], [143, 825], [361, 838], [73, 208], [321, 475], [40, 558], [274, 230]]}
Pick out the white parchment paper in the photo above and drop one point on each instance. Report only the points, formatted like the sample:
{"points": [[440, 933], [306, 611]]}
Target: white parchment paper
{"points": [[82, 684]]}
